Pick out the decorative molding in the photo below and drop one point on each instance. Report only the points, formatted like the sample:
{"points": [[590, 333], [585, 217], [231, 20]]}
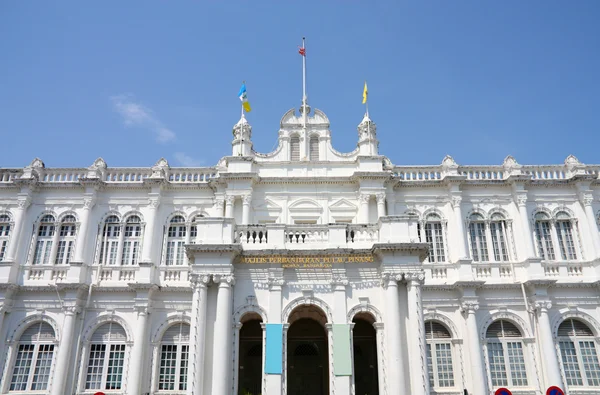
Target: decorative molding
{"points": [[365, 308], [306, 301]]}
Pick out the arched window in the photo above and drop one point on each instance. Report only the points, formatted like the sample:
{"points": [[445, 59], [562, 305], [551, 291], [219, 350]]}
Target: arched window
{"points": [[579, 354], [295, 149], [506, 360], [66, 240], [106, 358], [543, 236], [478, 238], [439, 355], [499, 237], [33, 362], [434, 236], [43, 240], [564, 233], [176, 236], [4, 233], [111, 234], [131, 241], [314, 148], [174, 356]]}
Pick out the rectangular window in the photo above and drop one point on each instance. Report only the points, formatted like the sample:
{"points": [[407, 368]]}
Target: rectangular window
{"points": [[114, 373], [430, 366], [445, 371], [95, 367], [565, 240], [183, 367], [435, 238], [590, 363], [498, 231], [22, 367], [168, 365], [43, 365], [517, 364], [42, 252], [478, 242], [3, 245], [570, 365], [497, 365], [544, 240]]}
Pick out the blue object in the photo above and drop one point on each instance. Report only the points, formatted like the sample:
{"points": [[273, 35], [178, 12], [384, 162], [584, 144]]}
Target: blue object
{"points": [[274, 349]]}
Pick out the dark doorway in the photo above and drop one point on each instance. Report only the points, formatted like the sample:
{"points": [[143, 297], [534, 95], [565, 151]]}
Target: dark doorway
{"points": [[250, 365], [307, 358], [365, 356]]}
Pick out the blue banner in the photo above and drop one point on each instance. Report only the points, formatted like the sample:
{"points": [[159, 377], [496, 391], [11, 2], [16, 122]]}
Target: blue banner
{"points": [[274, 349]]}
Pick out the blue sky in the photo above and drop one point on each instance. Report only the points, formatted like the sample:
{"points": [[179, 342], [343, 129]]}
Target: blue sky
{"points": [[133, 81]]}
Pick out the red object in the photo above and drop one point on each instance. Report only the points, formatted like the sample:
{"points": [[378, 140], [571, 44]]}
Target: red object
{"points": [[99, 393], [302, 51], [554, 390], [502, 391]]}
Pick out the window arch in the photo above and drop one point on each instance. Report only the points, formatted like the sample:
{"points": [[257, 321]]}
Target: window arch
{"points": [[5, 225], [433, 235], [111, 235], [478, 238], [175, 241], [34, 358], [174, 358], [66, 240], [439, 355], [505, 355], [43, 240], [556, 233], [579, 353], [313, 145], [295, 149], [106, 358]]}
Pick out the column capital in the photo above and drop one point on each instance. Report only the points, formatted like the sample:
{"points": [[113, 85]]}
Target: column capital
{"points": [[364, 198], [23, 201], [224, 280], [229, 199], [469, 306], [339, 283], [455, 200], [587, 198], [142, 310], [247, 199], [521, 199], [154, 201], [380, 197], [219, 203], [89, 201], [388, 279], [415, 278], [275, 283], [71, 309], [540, 306], [199, 280]]}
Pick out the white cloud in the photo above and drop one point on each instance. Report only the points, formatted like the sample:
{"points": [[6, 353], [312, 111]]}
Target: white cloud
{"points": [[136, 114], [187, 161]]}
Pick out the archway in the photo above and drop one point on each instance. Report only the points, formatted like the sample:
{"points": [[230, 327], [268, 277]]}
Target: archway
{"points": [[364, 339], [307, 352], [250, 357]]}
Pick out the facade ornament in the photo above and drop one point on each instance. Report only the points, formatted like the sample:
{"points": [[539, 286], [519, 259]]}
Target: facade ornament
{"points": [[339, 281], [449, 166], [23, 202], [154, 202], [586, 198], [469, 307], [415, 278], [89, 202], [96, 170], [455, 201], [275, 283], [219, 203], [364, 198], [387, 277], [71, 309], [511, 166], [199, 280], [224, 279], [540, 306], [229, 199], [522, 199], [246, 199], [160, 169], [574, 167], [380, 197]]}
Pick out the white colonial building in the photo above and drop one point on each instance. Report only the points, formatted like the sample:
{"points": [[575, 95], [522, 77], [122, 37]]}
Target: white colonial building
{"points": [[301, 271]]}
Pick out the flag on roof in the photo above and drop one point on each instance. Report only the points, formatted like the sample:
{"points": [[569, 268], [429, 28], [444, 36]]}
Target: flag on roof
{"points": [[244, 98], [365, 93], [302, 51]]}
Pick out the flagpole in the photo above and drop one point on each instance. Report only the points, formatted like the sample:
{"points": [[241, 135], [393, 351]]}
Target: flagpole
{"points": [[304, 99], [243, 83]]}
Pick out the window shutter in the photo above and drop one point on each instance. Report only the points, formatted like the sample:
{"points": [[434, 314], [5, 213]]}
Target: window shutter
{"points": [[295, 149], [177, 333], [110, 332], [573, 327], [40, 331], [314, 148], [502, 328], [435, 330]]}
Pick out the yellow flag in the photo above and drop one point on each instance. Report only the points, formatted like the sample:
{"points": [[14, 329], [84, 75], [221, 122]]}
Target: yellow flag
{"points": [[365, 93]]}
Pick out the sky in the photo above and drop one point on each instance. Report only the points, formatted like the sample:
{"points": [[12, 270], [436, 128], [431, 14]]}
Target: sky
{"points": [[134, 81]]}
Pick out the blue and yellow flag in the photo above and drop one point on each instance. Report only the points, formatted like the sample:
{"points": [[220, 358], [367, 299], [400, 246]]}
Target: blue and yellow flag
{"points": [[244, 98], [365, 93]]}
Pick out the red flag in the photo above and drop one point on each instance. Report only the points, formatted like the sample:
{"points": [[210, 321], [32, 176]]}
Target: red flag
{"points": [[302, 51]]}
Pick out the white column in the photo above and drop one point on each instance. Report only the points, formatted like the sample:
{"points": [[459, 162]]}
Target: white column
{"points": [[218, 207], [221, 380], [140, 342], [339, 284], [478, 374], [380, 361], [198, 334], [363, 210], [80, 244], [418, 349], [274, 382], [396, 380], [522, 203], [586, 200], [15, 234], [380, 197], [149, 229], [550, 359], [460, 227], [246, 200], [229, 200], [63, 363]]}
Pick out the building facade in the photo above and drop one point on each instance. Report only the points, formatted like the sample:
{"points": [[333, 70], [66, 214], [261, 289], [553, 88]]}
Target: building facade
{"points": [[301, 271]]}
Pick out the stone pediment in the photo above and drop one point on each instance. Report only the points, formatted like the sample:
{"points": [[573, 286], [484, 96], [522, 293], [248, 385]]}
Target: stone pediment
{"points": [[268, 205], [305, 205], [343, 205]]}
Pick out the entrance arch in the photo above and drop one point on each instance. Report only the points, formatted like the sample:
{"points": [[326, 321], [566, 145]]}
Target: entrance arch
{"points": [[307, 352], [250, 355], [366, 380]]}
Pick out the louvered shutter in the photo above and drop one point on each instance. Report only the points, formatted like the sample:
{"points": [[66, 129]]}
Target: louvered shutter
{"points": [[573, 327], [314, 148], [178, 333], [435, 330], [40, 331], [110, 332], [295, 149], [502, 328]]}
